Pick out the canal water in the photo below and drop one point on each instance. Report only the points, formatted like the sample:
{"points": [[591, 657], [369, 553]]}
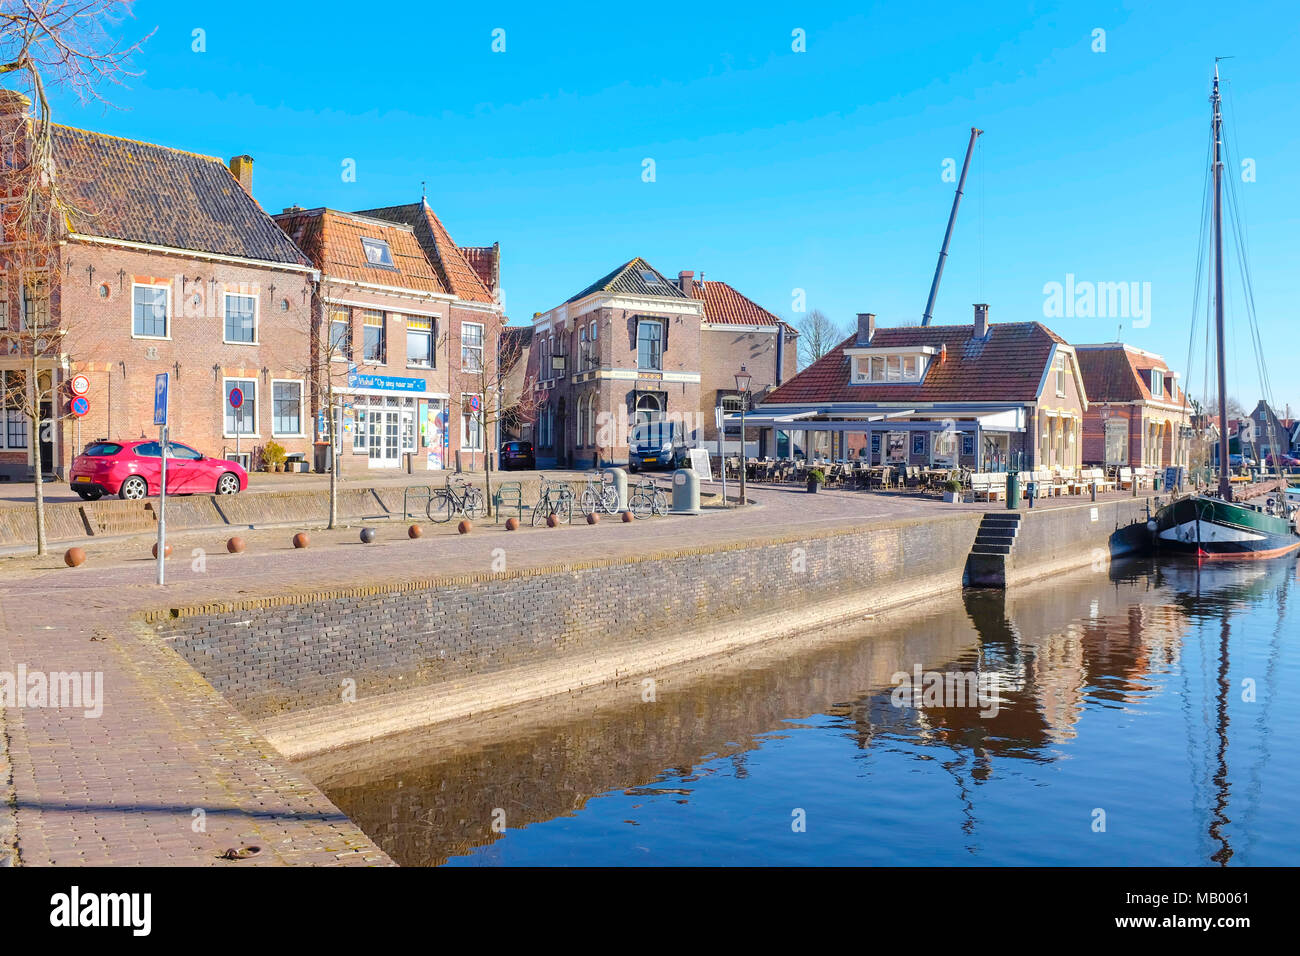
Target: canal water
{"points": [[1143, 715]]}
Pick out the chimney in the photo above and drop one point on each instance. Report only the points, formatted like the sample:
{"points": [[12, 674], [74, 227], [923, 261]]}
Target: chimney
{"points": [[686, 282], [943, 353], [981, 320], [242, 168], [866, 327], [15, 109], [290, 210]]}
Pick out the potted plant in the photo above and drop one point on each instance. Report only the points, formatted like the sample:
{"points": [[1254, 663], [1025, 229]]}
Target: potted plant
{"points": [[952, 490], [273, 456], [815, 478]]}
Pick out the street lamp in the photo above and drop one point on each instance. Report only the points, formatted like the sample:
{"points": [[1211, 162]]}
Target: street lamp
{"points": [[743, 379]]}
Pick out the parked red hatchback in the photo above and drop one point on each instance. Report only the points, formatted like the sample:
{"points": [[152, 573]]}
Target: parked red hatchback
{"points": [[133, 469]]}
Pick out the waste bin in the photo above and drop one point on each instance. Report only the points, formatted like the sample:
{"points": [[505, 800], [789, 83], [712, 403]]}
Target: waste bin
{"points": [[321, 459], [1013, 489], [686, 492], [618, 478]]}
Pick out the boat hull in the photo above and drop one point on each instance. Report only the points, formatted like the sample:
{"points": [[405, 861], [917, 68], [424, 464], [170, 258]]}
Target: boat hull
{"points": [[1210, 528]]}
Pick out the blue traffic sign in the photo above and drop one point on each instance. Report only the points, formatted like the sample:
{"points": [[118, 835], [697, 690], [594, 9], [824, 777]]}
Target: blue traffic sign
{"points": [[160, 399], [236, 397], [80, 405]]}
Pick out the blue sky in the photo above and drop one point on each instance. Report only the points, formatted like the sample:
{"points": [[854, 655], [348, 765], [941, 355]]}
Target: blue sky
{"points": [[774, 170]]}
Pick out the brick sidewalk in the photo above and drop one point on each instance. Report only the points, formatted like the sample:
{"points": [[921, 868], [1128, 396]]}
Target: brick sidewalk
{"points": [[122, 788]]}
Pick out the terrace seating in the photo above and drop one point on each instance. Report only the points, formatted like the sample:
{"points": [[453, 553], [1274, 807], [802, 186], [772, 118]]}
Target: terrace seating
{"points": [[988, 485]]}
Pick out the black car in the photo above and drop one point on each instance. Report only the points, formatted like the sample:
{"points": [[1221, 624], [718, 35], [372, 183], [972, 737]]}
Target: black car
{"points": [[517, 454]]}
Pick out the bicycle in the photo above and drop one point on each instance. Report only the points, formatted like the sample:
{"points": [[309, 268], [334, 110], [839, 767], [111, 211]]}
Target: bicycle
{"points": [[648, 499], [599, 495], [556, 499], [450, 501]]}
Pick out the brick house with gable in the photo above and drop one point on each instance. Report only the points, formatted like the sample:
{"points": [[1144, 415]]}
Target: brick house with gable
{"points": [[168, 265], [983, 396], [1137, 415]]}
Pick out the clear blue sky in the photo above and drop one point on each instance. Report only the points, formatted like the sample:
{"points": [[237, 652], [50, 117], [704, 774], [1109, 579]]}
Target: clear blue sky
{"points": [[775, 170]]}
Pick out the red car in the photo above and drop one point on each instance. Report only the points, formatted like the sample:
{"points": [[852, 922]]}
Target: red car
{"points": [[133, 469]]}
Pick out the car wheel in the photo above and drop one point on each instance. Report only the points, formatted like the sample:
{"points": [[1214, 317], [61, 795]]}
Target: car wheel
{"points": [[133, 489], [89, 494], [228, 484]]}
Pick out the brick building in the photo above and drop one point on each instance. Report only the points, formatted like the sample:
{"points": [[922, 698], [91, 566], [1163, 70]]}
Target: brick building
{"points": [[982, 396], [1137, 415], [167, 265]]}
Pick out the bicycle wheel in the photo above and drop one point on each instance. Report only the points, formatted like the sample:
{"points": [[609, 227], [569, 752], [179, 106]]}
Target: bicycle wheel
{"points": [[475, 503], [588, 503], [661, 503], [440, 508], [541, 512], [641, 505], [609, 501]]}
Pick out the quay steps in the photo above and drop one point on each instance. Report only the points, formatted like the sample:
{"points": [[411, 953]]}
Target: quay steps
{"points": [[994, 542]]}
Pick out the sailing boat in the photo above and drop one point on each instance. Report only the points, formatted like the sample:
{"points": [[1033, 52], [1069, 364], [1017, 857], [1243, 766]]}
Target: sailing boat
{"points": [[1213, 526]]}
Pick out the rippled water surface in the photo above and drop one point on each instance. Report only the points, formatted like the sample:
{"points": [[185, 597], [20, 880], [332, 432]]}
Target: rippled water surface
{"points": [[1145, 716]]}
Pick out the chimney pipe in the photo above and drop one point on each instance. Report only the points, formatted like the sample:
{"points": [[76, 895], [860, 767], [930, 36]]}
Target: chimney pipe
{"points": [[686, 282], [866, 327], [242, 169], [981, 320]]}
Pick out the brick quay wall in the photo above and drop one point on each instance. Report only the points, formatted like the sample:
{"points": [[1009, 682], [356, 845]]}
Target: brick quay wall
{"points": [[328, 669]]}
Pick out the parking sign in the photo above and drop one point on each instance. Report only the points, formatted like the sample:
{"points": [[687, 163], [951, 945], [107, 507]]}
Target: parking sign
{"points": [[160, 399]]}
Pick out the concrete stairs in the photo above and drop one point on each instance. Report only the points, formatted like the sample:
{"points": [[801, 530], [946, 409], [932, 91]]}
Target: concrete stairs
{"points": [[994, 541]]}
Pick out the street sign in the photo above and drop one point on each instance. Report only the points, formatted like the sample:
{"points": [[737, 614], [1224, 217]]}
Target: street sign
{"points": [[236, 397], [160, 399], [80, 405], [80, 385]]}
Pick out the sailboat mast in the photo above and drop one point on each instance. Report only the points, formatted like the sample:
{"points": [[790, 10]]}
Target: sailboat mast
{"points": [[1225, 486]]}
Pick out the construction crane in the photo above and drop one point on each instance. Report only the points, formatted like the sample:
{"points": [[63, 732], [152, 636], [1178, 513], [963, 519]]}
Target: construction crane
{"points": [[947, 236]]}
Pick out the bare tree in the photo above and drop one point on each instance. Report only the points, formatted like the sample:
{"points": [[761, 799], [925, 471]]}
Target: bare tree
{"points": [[503, 394], [45, 45], [817, 336]]}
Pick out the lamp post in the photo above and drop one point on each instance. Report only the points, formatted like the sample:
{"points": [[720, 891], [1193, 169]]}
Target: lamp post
{"points": [[743, 379]]}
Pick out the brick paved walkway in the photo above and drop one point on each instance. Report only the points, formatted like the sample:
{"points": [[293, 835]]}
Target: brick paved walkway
{"points": [[123, 788]]}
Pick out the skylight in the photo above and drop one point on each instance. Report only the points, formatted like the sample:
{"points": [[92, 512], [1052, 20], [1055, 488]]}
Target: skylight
{"points": [[377, 252], [650, 278]]}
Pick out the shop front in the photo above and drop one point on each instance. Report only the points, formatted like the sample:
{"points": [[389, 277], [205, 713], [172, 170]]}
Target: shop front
{"points": [[387, 419]]}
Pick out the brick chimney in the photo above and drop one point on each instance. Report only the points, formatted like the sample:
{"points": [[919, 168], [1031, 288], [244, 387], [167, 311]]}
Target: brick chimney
{"points": [[866, 327], [242, 168], [686, 282], [15, 110], [981, 320]]}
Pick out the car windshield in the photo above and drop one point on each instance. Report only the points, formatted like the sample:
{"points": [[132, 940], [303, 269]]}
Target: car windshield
{"points": [[102, 449]]}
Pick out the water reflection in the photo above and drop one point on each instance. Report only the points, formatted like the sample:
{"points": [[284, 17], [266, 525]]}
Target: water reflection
{"points": [[1115, 693]]}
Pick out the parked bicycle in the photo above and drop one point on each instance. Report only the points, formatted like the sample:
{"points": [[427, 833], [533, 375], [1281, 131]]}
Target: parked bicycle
{"points": [[599, 495], [648, 499], [556, 499], [458, 497]]}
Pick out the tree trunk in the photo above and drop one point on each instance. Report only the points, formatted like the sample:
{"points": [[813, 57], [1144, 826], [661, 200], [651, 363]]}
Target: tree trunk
{"points": [[334, 452], [487, 469], [34, 396]]}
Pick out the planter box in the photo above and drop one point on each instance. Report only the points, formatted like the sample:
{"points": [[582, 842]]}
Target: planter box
{"points": [[952, 497]]}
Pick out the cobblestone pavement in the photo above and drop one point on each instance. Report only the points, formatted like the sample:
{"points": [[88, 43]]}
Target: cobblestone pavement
{"points": [[127, 787]]}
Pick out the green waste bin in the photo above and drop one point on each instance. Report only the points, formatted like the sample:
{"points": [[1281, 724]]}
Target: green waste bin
{"points": [[1013, 489]]}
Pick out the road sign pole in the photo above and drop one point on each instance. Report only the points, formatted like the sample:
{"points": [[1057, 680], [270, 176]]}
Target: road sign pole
{"points": [[160, 401]]}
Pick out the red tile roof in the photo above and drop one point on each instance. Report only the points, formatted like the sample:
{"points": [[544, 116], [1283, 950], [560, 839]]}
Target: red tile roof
{"points": [[1114, 372], [1007, 366], [724, 305], [333, 242], [456, 273]]}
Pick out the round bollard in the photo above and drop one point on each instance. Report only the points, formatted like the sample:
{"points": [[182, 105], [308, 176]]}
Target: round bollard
{"points": [[552, 521], [74, 557], [414, 531], [367, 535], [300, 540], [593, 518], [235, 545], [465, 527], [167, 551], [627, 516], [512, 524]]}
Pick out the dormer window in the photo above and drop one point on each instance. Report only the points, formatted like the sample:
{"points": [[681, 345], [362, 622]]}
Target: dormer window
{"points": [[377, 253], [871, 367], [1157, 382]]}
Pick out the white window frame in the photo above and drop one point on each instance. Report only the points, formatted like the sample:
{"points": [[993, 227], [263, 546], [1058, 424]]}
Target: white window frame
{"points": [[482, 345], [14, 412], [302, 405], [431, 332], [1060, 376], [662, 328], [227, 410], [168, 319], [1157, 376], [225, 315]]}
